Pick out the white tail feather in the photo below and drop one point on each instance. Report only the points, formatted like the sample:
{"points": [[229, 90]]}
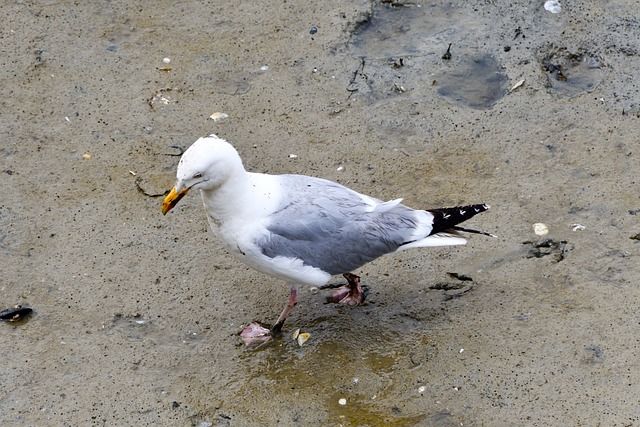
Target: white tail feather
{"points": [[438, 239]]}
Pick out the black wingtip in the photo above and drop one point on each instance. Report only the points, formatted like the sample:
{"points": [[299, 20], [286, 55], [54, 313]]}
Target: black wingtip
{"points": [[448, 218]]}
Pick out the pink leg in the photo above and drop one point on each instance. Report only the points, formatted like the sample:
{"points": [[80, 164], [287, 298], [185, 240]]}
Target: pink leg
{"points": [[256, 333], [350, 294], [291, 303]]}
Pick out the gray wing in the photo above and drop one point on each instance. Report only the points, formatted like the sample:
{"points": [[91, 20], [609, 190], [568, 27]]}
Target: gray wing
{"points": [[329, 226]]}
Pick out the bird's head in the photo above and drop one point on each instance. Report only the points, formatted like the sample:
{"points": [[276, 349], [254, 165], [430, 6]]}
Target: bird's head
{"points": [[206, 165]]}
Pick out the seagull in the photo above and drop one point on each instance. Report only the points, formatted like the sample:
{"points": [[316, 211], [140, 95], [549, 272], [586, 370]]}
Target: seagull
{"points": [[303, 229]]}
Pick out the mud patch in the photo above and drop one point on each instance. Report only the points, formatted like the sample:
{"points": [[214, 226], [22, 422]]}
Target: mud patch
{"points": [[474, 82], [403, 29], [557, 249], [572, 74]]}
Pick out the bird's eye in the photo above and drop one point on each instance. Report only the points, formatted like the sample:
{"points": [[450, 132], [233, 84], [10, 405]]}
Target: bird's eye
{"points": [[198, 175]]}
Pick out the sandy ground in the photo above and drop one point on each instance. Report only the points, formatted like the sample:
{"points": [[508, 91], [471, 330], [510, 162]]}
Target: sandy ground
{"points": [[136, 315]]}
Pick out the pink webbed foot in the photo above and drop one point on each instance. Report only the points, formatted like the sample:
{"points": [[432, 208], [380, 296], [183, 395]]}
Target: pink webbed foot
{"points": [[257, 333], [350, 294]]}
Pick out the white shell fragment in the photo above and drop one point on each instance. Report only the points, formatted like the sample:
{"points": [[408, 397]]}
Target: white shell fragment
{"points": [[517, 85], [552, 6], [166, 60], [577, 227], [293, 156], [342, 401], [540, 229], [422, 389], [217, 116], [302, 338]]}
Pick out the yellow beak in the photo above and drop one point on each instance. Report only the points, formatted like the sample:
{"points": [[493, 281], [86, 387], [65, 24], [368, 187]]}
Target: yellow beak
{"points": [[172, 199]]}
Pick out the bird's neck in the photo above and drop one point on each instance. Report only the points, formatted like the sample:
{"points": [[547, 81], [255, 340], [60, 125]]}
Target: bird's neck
{"points": [[243, 196]]}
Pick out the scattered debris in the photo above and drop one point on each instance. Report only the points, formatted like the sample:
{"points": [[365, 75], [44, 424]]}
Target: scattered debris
{"points": [[15, 313], [397, 63], [518, 33], [517, 85], [557, 249], [217, 116], [161, 98], [399, 88], [178, 154], [447, 55], [358, 72], [461, 277], [540, 229], [553, 6], [153, 186], [452, 290], [300, 337]]}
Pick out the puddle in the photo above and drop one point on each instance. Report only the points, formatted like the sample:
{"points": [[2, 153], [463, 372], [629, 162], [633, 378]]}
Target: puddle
{"points": [[571, 74], [474, 82], [356, 390], [402, 49], [406, 30]]}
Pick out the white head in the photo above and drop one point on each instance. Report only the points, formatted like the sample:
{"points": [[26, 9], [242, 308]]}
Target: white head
{"points": [[206, 165]]}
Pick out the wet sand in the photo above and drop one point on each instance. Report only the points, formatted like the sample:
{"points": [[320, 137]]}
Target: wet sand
{"points": [[136, 315]]}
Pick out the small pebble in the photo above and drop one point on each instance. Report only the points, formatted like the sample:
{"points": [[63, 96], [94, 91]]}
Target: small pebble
{"points": [[166, 60], [422, 389], [293, 156], [342, 401], [264, 68], [313, 30], [340, 168], [86, 156]]}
